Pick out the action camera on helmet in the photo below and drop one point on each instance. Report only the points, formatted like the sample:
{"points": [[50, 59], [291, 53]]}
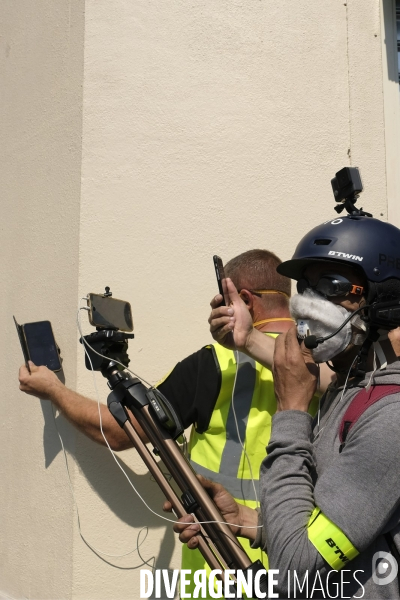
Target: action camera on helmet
{"points": [[346, 183], [347, 186]]}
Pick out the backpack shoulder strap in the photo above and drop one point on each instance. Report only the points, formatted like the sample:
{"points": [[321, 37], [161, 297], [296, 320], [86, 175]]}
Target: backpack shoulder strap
{"points": [[361, 401]]}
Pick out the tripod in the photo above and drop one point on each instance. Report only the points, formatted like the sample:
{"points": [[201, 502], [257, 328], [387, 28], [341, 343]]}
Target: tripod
{"points": [[161, 425]]}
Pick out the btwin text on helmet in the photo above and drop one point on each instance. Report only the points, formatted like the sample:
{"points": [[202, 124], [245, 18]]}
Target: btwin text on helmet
{"points": [[344, 255]]}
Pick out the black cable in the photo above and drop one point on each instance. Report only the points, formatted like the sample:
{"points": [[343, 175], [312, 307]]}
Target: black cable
{"points": [[311, 341]]}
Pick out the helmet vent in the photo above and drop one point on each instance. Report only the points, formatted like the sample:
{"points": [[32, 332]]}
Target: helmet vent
{"points": [[323, 242]]}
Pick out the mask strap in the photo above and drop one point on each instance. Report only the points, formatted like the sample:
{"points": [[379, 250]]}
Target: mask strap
{"points": [[270, 292], [272, 320], [359, 323], [358, 338]]}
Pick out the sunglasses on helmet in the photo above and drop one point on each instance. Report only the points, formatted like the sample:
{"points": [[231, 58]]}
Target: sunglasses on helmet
{"points": [[331, 285]]}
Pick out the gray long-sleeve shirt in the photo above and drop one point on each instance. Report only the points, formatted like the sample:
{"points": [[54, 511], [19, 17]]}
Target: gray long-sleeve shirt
{"points": [[358, 490]]}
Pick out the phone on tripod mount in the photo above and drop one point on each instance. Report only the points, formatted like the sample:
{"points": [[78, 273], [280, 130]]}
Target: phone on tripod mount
{"points": [[106, 312]]}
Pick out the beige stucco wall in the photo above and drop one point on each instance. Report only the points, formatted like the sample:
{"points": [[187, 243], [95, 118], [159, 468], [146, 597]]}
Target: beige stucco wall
{"points": [[41, 71], [391, 99], [206, 128]]}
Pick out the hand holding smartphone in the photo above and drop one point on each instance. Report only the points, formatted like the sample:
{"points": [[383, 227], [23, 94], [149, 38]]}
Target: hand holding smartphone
{"points": [[38, 344]]}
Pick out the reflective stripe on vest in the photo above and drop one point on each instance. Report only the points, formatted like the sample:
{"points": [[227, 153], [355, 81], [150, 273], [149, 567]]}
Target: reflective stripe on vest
{"points": [[330, 541], [217, 453]]}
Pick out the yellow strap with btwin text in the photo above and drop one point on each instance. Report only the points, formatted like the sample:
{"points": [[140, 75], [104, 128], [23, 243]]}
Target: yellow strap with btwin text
{"points": [[330, 541]]}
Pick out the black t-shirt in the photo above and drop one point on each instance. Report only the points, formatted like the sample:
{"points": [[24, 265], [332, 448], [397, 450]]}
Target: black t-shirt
{"points": [[193, 386]]}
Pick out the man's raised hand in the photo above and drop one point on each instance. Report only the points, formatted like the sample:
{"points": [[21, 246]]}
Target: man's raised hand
{"points": [[230, 326]]}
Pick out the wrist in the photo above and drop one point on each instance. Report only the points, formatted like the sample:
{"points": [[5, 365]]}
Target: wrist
{"points": [[281, 407], [252, 341], [248, 520], [55, 392]]}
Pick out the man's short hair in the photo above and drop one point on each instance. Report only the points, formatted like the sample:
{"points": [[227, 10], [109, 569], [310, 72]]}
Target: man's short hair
{"points": [[256, 270]]}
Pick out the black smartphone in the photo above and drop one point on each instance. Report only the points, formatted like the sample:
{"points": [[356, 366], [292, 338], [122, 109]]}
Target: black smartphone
{"points": [[221, 280], [38, 344], [109, 313]]}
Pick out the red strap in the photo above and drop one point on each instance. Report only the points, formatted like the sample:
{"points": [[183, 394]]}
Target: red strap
{"points": [[361, 401]]}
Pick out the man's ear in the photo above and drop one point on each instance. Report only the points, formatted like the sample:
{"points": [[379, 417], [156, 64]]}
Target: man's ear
{"points": [[247, 298]]}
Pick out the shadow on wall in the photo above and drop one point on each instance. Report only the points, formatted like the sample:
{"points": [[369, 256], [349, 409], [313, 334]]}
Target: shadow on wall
{"points": [[110, 484]]}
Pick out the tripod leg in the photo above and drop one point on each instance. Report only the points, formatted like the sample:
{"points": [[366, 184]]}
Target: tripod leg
{"points": [[182, 472], [133, 394], [147, 457]]}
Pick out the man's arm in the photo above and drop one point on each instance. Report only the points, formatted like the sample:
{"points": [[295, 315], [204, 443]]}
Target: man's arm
{"points": [[82, 412], [232, 327], [324, 524], [327, 524], [193, 402]]}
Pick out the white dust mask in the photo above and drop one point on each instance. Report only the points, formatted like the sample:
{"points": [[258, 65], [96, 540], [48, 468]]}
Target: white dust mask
{"points": [[315, 315]]}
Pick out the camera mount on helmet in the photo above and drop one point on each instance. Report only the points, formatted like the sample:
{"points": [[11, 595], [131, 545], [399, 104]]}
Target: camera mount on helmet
{"points": [[347, 187]]}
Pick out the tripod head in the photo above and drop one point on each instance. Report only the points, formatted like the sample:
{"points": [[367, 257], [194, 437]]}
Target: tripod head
{"points": [[112, 319], [112, 344]]}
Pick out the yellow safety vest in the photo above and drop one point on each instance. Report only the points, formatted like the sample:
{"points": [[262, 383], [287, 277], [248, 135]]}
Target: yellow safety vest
{"points": [[218, 454]]}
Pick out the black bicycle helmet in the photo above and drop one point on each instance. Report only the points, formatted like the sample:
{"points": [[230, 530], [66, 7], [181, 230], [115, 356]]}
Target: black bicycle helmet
{"points": [[364, 242]]}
